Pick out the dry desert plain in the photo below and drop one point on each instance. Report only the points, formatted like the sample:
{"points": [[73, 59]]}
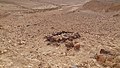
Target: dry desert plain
{"points": [[59, 33]]}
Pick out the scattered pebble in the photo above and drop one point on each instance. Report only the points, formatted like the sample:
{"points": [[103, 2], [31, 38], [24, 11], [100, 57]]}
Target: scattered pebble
{"points": [[3, 51], [21, 42]]}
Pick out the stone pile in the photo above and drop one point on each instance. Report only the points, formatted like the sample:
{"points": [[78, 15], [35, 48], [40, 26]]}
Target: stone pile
{"points": [[64, 37]]}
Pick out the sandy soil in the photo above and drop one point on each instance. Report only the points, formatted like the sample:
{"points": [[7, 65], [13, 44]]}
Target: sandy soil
{"points": [[99, 5], [25, 23]]}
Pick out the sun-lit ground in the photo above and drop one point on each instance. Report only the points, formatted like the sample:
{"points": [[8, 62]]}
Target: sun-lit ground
{"points": [[25, 23]]}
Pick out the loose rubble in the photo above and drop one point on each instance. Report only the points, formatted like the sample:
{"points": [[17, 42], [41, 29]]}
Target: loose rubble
{"points": [[64, 37]]}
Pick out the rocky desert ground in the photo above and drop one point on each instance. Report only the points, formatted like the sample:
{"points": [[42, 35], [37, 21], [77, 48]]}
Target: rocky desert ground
{"points": [[59, 33]]}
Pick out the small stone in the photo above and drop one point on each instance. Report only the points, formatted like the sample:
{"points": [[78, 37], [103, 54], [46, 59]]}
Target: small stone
{"points": [[102, 51], [77, 46], [52, 28], [0, 52], [21, 42], [101, 58], [116, 15], [69, 44], [49, 38], [47, 66], [3, 51], [116, 65], [1, 26], [70, 39], [76, 35], [64, 53], [49, 43], [27, 25]]}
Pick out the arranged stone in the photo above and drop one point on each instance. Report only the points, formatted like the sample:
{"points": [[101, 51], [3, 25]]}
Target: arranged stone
{"points": [[62, 36]]}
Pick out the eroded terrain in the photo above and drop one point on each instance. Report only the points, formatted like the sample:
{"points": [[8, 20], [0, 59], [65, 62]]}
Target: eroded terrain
{"points": [[25, 23]]}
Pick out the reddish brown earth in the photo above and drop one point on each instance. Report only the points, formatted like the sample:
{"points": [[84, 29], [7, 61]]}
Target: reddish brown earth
{"points": [[25, 23]]}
